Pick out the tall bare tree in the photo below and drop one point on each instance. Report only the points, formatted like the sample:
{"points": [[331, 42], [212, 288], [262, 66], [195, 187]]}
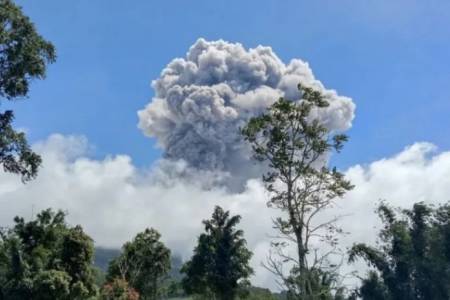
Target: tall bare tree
{"points": [[296, 146]]}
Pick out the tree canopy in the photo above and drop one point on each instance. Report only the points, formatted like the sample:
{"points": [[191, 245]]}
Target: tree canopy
{"points": [[219, 268], [295, 145], [118, 289], [412, 260], [24, 55], [46, 259], [144, 263]]}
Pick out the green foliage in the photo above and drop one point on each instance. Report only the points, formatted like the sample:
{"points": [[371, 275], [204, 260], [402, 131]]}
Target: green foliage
{"points": [[219, 268], [413, 258], [76, 259], [373, 288], [118, 289], [52, 284], [46, 259], [15, 153], [294, 145], [99, 276], [175, 289], [320, 285], [255, 293], [24, 55], [144, 264]]}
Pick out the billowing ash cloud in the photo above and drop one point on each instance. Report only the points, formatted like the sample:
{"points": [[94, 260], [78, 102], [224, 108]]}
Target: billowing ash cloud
{"points": [[201, 101]]}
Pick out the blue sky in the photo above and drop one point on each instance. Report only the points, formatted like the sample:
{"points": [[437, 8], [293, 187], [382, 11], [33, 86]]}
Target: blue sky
{"points": [[391, 57]]}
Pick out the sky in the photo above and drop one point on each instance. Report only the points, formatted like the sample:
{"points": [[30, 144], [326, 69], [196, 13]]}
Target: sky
{"points": [[386, 60], [390, 57]]}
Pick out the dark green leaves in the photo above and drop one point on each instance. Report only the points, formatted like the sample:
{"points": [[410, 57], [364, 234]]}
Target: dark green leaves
{"points": [[412, 258], [16, 155], [144, 264], [46, 259], [220, 265], [24, 55]]}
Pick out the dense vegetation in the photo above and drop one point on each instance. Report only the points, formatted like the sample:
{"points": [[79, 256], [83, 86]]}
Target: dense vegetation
{"points": [[219, 268], [46, 259], [143, 263], [412, 260]]}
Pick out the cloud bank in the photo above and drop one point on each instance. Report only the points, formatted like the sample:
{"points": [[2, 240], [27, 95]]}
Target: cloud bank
{"points": [[113, 200], [203, 99]]}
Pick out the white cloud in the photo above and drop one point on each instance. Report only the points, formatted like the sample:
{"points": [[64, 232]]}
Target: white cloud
{"points": [[113, 200], [418, 173]]}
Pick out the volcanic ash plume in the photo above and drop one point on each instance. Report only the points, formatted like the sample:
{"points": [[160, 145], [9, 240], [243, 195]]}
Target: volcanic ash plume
{"points": [[202, 100]]}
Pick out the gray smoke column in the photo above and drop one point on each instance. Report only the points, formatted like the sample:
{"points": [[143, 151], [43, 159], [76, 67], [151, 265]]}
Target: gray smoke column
{"points": [[202, 100]]}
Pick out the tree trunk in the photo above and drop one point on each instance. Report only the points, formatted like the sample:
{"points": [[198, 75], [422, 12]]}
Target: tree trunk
{"points": [[297, 227]]}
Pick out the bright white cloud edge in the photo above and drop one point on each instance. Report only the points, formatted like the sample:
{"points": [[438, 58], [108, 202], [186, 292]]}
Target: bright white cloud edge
{"points": [[113, 200]]}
